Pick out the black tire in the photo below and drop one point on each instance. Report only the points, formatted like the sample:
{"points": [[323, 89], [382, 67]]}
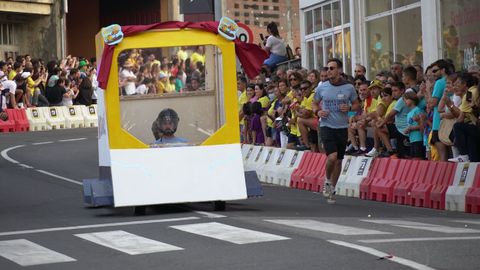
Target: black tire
{"points": [[219, 205], [140, 210]]}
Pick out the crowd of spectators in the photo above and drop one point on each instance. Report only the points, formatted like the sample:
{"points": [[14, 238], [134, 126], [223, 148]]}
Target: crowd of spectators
{"points": [[27, 82], [143, 72], [404, 112]]}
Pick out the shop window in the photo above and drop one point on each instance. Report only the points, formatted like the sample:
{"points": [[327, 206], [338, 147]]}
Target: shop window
{"points": [[319, 52], [336, 15], [408, 37], [379, 44], [346, 11], [328, 47], [373, 7], [327, 17], [7, 34], [318, 19], [401, 3], [460, 32], [347, 64], [311, 59], [308, 22]]}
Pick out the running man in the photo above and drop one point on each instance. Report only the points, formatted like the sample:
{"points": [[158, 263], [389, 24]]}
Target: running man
{"points": [[334, 99]]}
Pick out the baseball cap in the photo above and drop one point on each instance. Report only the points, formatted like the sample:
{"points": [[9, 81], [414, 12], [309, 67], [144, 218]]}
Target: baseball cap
{"points": [[26, 74], [82, 64], [376, 83]]}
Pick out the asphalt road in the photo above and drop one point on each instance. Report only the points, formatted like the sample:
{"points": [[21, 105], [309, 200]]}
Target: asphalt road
{"points": [[44, 224]]}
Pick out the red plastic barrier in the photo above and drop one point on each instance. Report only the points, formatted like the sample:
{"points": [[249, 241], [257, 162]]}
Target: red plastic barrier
{"points": [[420, 192], [472, 199], [437, 195], [307, 162], [314, 179], [20, 118], [9, 125], [378, 170], [306, 179], [381, 188], [401, 192]]}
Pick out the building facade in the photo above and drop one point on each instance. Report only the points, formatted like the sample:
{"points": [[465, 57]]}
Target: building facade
{"points": [[32, 27], [376, 33], [257, 14]]}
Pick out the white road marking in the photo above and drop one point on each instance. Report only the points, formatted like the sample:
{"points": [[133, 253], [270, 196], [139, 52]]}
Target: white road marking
{"points": [[210, 215], [40, 143], [25, 166], [229, 233], [72, 140], [421, 226], [126, 242], [324, 227], [55, 229], [4, 153], [420, 239], [61, 177], [26, 253], [381, 254], [476, 222]]}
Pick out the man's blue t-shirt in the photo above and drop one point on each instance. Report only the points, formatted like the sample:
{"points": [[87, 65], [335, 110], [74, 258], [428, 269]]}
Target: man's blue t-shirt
{"points": [[414, 135], [331, 97], [438, 89], [401, 116]]}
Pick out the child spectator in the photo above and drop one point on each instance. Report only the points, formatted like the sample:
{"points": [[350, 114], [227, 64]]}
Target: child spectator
{"points": [[70, 95], [179, 85], [414, 125], [171, 84], [145, 87], [255, 124]]}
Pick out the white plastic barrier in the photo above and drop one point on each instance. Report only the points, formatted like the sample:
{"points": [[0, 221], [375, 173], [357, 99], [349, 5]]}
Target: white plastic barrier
{"points": [[270, 159], [73, 116], [348, 164], [245, 149], [464, 177], [252, 154], [54, 117], [284, 173], [260, 159], [354, 171], [280, 160], [36, 119], [90, 116]]}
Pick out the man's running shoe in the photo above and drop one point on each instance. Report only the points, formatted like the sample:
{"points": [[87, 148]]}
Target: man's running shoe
{"points": [[372, 153], [331, 199], [461, 158], [328, 189]]}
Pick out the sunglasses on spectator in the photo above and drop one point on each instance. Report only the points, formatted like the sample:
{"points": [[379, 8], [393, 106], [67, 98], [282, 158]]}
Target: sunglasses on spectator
{"points": [[384, 95], [332, 68], [435, 70], [293, 79], [304, 88]]}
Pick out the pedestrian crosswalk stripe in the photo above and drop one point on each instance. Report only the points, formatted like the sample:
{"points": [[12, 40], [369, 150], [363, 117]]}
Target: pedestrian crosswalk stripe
{"points": [[229, 233], [126, 242], [421, 226], [324, 227], [26, 253]]}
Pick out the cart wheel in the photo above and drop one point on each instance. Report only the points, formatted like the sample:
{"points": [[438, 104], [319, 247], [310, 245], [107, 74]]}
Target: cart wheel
{"points": [[219, 205], [140, 210]]}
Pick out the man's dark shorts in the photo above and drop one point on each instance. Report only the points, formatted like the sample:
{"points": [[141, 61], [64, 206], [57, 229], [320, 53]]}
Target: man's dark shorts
{"points": [[334, 140]]}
